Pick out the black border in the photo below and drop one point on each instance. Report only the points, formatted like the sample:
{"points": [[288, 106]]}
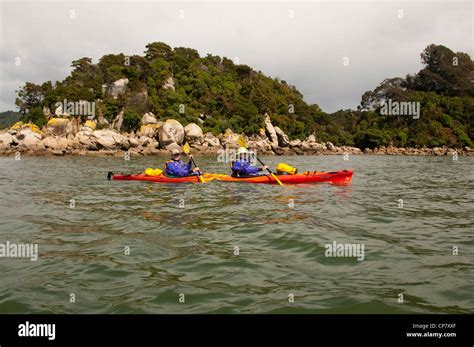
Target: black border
{"points": [[156, 330]]}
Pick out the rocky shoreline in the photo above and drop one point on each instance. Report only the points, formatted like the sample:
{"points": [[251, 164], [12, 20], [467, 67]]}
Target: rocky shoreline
{"points": [[67, 136]]}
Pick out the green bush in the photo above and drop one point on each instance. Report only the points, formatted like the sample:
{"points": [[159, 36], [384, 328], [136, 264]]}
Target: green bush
{"points": [[446, 120], [463, 139], [131, 120], [372, 138], [35, 116]]}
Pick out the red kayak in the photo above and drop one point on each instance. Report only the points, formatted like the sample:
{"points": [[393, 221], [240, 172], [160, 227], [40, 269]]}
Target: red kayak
{"points": [[344, 176], [160, 178], [335, 177]]}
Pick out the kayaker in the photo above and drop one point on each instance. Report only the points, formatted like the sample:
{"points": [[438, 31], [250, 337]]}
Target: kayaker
{"points": [[242, 167], [175, 167]]}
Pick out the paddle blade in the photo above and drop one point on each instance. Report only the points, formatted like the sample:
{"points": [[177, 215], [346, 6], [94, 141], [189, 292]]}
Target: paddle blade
{"points": [[186, 148], [242, 142]]}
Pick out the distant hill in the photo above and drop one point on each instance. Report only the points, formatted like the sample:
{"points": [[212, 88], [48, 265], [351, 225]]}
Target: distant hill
{"points": [[8, 118], [216, 93]]}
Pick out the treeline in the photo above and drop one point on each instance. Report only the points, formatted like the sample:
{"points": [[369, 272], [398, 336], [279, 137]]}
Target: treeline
{"points": [[444, 89], [235, 96], [9, 118]]}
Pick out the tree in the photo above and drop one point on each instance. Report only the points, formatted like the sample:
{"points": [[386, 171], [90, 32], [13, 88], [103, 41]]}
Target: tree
{"points": [[29, 96], [158, 50], [131, 120], [445, 72], [35, 116]]}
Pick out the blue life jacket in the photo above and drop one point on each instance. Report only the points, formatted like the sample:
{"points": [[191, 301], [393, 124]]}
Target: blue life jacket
{"points": [[242, 167], [178, 168]]}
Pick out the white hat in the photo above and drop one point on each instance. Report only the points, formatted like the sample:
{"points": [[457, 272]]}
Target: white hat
{"points": [[242, 150]]}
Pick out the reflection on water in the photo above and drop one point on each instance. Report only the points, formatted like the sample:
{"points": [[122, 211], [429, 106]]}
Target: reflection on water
{"points": [[279, 232]]}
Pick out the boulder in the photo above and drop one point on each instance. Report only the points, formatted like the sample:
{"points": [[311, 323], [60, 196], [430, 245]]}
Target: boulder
{"points": [[311, 138], [116, 88], [19, 126], [89, 125], [169, 84], [30, 140], [272, 135], [170, 132], [211, 140], [305, 145], [6, 140], [319, 147], [58, 152], [133, 142], [46, 112], [108, 139], [102, 121], [298, 150], [261, 146], [438, 151], [143, 141], [75, 125], [295, 143], [200, 148], [56, 143], [282, 151], [172, 146], [330, 146], [149, 130], [118, 121], [149, 118], [74, 143], [229, 139], [125, 144], [86, 140], [283, 139], [193, 133], [59, 127], [151, 148]]}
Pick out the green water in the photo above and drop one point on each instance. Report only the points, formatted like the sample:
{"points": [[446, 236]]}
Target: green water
{"points": [[190, 250]]}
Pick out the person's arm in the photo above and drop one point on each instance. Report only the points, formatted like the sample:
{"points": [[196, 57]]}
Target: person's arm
{"points": [[183, 169], [168, 169], [250, 170]]}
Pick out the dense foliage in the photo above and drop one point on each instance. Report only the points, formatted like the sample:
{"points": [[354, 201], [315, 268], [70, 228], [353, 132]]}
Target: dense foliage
{"points": [[444, 89], [218, 94], [8, 118]]}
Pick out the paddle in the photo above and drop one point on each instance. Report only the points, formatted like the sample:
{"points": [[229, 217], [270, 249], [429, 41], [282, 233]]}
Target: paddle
{"points": [[186, 151], [243, 143]]}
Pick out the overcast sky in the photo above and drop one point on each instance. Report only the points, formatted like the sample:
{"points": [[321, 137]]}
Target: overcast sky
{"points": [[302, 43]]}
